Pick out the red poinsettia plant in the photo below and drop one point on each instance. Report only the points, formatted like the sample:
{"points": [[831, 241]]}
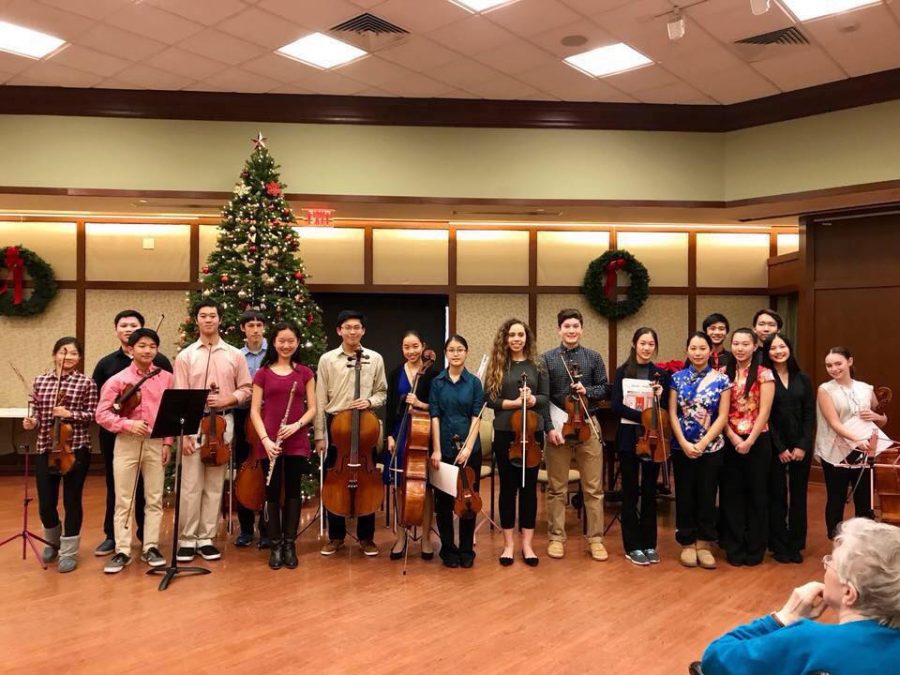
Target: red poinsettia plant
{"points": [[672, 366]]}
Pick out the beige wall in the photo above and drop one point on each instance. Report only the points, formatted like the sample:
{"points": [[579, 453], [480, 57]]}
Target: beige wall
{"points": [[479, 315], [54, 242], [596, 328], [667, 315], [738, 309]]}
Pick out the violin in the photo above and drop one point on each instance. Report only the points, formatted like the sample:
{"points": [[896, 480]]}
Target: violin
{"points": [[525, 423], [468, 500], [353, 487], [130, 397], [578, 426], [654, 444], [62, 456], [214, 451], [412, 485]]}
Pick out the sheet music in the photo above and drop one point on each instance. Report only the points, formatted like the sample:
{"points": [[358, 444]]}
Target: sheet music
{"points": [[444, 479], [558, 417], [637, 394]]}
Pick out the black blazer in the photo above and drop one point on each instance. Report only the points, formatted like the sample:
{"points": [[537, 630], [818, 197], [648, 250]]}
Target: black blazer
{"points": [[394, 407], [627, 434], [792, 422]]}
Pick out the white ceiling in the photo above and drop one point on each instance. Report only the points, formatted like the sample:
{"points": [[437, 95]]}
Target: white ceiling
{"points": [[513, 52]]}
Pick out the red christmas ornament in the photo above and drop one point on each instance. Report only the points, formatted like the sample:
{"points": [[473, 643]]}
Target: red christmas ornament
{"points": [[273, 189], [252, 248], [206, 269], [310, 319], [298, 276], [224, 278]]}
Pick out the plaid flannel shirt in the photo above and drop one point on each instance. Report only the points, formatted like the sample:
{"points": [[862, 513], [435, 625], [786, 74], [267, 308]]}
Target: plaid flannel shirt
{"points": [[77, 394]]}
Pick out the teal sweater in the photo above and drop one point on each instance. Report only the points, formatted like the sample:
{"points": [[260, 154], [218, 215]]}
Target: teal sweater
{"points": [[764, 647]]}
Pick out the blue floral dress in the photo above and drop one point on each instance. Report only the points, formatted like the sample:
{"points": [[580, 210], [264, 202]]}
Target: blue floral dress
{"points": [[698, 394]]}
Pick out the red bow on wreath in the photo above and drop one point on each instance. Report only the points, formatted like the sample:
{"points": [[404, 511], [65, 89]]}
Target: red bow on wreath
{"points": [[611, 268], [16, 267]]}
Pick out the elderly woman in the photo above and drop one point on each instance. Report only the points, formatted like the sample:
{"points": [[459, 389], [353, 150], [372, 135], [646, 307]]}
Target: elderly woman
{"points": [[861, 585]]}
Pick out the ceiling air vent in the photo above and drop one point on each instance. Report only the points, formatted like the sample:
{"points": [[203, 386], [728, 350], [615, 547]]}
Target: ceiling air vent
{"points": [[768, 45], [369, 32]]}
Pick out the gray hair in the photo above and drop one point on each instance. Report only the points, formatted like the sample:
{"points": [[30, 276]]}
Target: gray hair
{"points": [[867, 555]]}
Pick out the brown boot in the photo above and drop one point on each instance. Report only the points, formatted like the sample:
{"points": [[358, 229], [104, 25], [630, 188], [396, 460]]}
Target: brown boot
{"points": [[705, 556], [688, 556]]}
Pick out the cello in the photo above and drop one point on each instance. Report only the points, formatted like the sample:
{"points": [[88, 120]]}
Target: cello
{"points": [[525, 423], [412, 485], [352, 487]]}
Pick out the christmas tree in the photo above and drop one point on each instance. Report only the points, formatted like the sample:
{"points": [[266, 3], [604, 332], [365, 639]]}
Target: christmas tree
{"points": [[255, 264]]}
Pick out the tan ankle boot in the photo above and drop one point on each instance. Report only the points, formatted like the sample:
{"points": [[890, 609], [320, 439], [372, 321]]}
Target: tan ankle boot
{"points": [[705, 556], [688, 556]]}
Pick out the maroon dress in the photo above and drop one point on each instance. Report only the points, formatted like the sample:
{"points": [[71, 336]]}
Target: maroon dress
{"points": [[276, 391]]}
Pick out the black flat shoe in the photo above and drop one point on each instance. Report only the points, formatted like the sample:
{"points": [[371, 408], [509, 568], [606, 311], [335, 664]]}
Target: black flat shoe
{"points": [[782, 557], [396, 555], [735, 559], [427, 555], [466, 563], [531, 562], [506, 561], [451, 562]]}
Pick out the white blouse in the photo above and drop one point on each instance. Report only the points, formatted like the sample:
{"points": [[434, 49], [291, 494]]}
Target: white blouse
{"points": [[848, 403]]}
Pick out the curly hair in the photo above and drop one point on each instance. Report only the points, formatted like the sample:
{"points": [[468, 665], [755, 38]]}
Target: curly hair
{"points": [[500, 360]]}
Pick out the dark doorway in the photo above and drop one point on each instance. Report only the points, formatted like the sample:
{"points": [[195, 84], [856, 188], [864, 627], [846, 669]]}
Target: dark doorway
{"points": [[387, 317]]}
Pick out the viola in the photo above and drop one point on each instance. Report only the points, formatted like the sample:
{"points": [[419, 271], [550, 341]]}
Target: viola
{"points": [[578, 426], [130, 397], [412, 485], [525, 423], [214, 451], [468, 500], [353, 487], [653, 444]]}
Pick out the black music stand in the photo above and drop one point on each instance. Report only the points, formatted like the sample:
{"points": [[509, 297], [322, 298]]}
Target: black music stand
{"points": [[27, 535], [180, 412]]}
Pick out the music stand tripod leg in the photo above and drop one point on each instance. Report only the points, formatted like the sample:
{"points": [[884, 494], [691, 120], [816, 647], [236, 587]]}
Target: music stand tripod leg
{"points": [[27, 536]]}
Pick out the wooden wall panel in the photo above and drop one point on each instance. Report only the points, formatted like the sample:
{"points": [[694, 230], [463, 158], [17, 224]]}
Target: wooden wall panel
{"points": [[562, 257], [859, 252], [787, 243], [54, 242], [410, 257], [115, 252]]}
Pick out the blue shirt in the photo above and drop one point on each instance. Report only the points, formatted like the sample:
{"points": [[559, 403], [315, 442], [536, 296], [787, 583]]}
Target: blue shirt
{"points": [[698, 394], [455, 404], [254, 361], [763, 648]]}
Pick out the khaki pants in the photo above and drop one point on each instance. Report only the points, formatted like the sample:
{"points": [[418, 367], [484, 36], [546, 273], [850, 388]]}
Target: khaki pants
{"points": [[201, 495], [129, 451], [589, 461]]}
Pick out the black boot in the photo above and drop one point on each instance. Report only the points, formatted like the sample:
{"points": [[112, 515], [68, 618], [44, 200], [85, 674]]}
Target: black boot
{"points": [[291, 523], [273, 526]]}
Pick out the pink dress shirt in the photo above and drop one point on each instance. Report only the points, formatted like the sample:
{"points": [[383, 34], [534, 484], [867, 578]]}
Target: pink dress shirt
{"points": [[227, 369], [151, 395]]}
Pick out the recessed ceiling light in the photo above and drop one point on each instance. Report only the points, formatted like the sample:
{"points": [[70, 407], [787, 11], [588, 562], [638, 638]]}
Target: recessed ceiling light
{"points": [[608, 60], [26, 42], [321, 51], [481, 5], [805, 10]]}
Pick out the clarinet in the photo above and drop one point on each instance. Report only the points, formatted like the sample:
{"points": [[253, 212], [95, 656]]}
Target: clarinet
{"points": [[278, 441]]}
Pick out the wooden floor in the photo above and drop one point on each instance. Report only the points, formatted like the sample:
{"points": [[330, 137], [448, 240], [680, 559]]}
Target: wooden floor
{"points": [[350, 614]]}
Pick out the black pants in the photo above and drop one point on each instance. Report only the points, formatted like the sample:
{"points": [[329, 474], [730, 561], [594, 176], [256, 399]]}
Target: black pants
{"points": [[107, 445], [787, 504], [289, 468], [242, 451], [745, 502], [511, 485], [838, 480], [73, 486], [443, 515], [638, 479], [337, 525], [696, 483]]}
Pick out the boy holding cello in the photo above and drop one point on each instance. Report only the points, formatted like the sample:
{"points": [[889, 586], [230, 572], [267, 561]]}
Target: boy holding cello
{"points": [[335, 384], [129, 403]]}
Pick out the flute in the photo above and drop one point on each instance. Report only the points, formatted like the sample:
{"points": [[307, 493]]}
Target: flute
{"points": [[278, 440]]}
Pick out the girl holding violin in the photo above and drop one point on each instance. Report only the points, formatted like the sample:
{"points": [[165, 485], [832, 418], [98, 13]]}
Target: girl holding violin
{"points": [[65, 401], [698, 407], [400, 396], [844, 401], [512, 357], [282, 406], [455, 403], [748, 454], [791, 425], [639, 474]]}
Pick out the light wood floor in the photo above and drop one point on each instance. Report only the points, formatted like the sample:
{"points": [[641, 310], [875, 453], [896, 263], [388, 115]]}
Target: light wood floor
{"points": [[349, 614]]}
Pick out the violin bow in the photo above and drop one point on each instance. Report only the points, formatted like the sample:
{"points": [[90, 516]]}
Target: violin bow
{"points": [[24, 386], [587, 415], [159, 323]]}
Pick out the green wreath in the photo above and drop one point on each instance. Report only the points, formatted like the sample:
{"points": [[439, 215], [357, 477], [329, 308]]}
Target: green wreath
{"points": [[599, 281], [16, 261]]}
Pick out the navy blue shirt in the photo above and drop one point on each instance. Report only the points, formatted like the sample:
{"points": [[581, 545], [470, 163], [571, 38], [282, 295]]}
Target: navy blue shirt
{"points": [[455, 404]]}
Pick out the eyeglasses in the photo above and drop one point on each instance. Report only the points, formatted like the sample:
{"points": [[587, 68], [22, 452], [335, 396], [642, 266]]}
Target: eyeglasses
{"points": [[455, 351]]}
